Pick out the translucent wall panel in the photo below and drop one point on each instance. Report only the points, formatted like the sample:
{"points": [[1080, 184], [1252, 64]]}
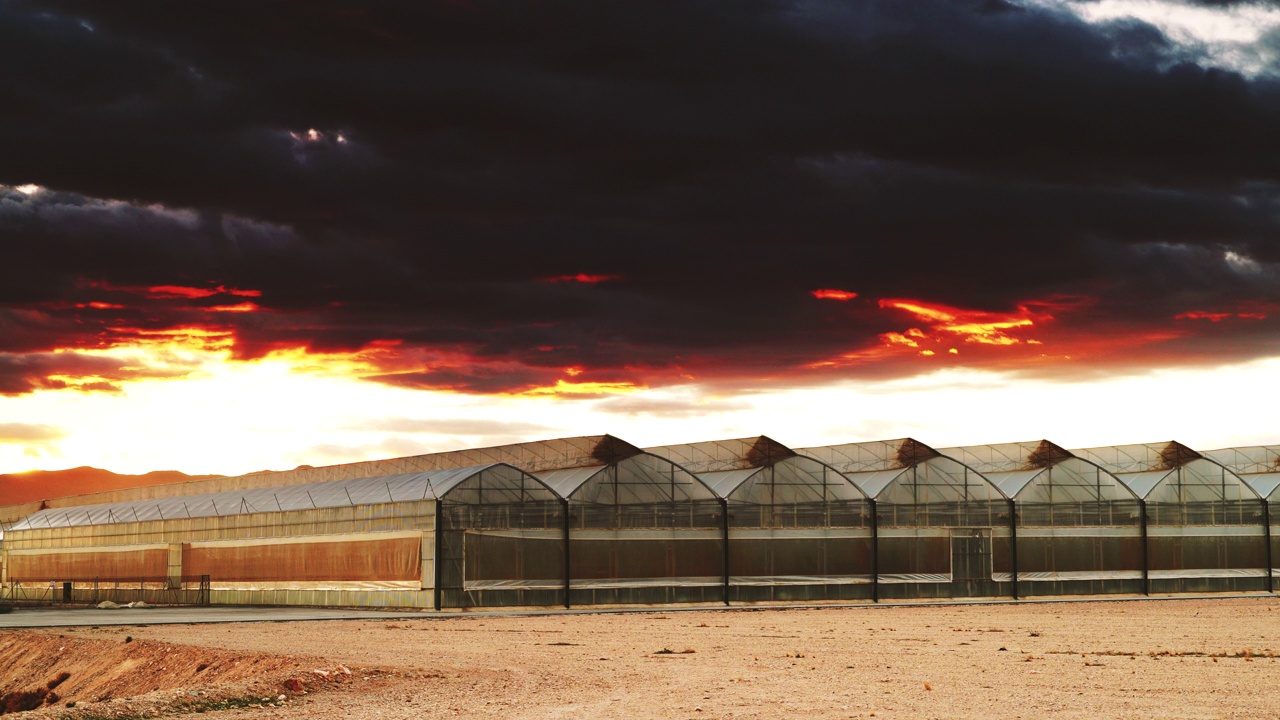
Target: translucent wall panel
{"points": [[1079, 532], [643, 530], [1205, 531], [1204, 524], [1260, 468], [502, 541], [798, 530], [1079, 528], [943, 529]]}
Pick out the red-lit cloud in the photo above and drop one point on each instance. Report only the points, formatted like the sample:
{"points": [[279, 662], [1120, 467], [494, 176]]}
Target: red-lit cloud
{"points": [[584, 278], [969, 326], [829, 294], [1219, 316]]}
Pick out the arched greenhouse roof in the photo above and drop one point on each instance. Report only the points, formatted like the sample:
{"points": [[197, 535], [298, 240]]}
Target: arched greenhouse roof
{"points": [[1148, 467], [876, 466], [761, 471], [643, 479], [1025, 471], [1258, 465], [532, 457], [495, 483]]}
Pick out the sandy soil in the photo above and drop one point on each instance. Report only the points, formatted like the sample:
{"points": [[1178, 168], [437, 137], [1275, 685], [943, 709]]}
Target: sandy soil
{"points": [[1156, 659]]}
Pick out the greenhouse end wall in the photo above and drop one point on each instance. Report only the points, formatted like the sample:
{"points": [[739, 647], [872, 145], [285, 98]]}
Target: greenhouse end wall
{"points": [[502, 555], [817, 551], [646, 554], [1098, 550], [1205, 533], [934, 548]]}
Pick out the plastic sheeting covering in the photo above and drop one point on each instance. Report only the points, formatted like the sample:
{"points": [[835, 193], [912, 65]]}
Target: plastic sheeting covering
{"points": [[339, 493], [349, 559], [531, 457], [69, 565]]}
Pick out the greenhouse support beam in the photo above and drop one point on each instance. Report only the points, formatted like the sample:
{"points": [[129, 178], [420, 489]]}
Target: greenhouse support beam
{"points": [[439, 564], [724, 539], [875, 552], [567, 573], [1013, 545], [1146, 555], [1266, 535]]}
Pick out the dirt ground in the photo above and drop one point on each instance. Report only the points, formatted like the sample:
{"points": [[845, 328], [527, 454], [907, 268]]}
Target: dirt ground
{"points": [[1150, 659]]}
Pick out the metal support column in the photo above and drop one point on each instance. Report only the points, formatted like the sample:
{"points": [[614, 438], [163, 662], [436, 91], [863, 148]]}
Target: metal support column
{"points": [[1266, 534], [724, 537], [1146, 553], [875, 551], [567, 574], [1013, 544], [439, 564]]}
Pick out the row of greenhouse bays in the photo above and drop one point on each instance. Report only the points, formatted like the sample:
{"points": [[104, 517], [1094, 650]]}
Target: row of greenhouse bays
{"points": [[641, 532], [939, 550], [691, 550]]}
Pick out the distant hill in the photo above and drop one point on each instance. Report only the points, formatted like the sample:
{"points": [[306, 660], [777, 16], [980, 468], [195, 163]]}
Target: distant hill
{"points": [[46, 484]]}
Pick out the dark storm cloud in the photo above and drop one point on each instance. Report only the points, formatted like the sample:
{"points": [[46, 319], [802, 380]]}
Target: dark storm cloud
{"points": [[408, 176]]}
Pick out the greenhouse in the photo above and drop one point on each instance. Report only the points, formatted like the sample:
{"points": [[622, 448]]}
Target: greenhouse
{"points": [[638, 528], [942, 529], [1205, 529], [597, 521], [364, 541], [1079, 528], [1260, 467], [641, 529], [796, 529]]}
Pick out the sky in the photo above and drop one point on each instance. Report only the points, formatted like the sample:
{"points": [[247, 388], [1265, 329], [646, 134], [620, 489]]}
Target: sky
{"points": [[246, 236]]}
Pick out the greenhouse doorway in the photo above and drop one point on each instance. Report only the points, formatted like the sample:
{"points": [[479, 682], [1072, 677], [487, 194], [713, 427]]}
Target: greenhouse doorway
{"points": [[970, 555]]}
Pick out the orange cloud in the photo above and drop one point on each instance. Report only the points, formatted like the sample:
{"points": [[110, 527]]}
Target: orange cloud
{"points": [[238, 308], [178, 338], [830, 294], [971, 326]]}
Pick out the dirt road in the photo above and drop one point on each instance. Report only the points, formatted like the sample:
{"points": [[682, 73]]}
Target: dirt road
{"points": [[1182, 659]]}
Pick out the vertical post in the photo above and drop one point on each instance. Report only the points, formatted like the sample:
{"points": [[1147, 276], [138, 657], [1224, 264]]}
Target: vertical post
{"points": [[568, 575], [875, 551], [1146, 554], [439, 564], [1013, 544], [1266, 535], [175, 566], [724, 538]]}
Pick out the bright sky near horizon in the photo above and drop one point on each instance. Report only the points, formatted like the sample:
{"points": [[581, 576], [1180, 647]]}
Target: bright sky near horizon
{"points": [[237, 238]]}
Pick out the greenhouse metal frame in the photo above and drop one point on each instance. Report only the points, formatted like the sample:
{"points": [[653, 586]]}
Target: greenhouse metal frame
{"points": [[362, 541], [640, 529], [1206, 528], [795, 528], [1079, 528], [941, 529], [1259, 466], [598, 521]]}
